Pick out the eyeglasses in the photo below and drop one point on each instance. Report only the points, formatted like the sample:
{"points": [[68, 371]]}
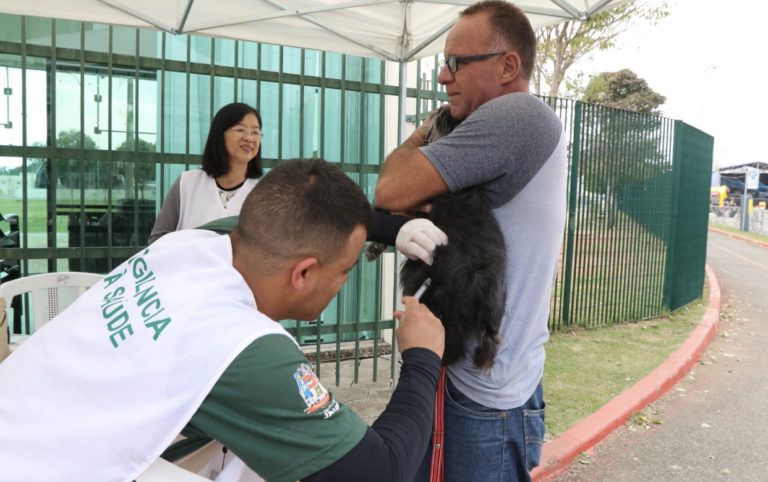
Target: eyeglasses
{"points": [[453, 62], [243, 132]]}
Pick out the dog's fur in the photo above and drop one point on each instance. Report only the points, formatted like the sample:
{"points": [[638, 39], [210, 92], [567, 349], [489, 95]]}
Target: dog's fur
{"points": [[467, 291]]}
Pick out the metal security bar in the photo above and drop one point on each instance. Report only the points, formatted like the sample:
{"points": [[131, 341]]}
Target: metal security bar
{"points": [[635, 242]]}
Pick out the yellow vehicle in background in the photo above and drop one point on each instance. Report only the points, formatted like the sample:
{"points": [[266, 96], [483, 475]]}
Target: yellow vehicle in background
{"points": [[718, 195]]}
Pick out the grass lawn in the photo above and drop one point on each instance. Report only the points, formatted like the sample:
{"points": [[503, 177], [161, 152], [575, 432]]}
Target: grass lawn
{"points": [[35, 212], [587, 368], [756, 237]]}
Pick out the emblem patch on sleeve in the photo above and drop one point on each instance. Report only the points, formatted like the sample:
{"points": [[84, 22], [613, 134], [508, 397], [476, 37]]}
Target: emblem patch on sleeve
{"points": [[311, 390]]}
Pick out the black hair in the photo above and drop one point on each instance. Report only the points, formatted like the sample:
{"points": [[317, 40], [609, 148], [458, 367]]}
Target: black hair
{"points": [[303, 207], [215, 156]]}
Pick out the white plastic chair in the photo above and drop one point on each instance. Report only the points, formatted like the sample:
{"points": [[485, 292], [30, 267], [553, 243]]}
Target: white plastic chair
{"points": [[4, 348], [49, 294]]}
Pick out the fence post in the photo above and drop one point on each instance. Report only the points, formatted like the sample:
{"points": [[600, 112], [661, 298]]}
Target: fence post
{"points": [[669, 267], [571, 225]]}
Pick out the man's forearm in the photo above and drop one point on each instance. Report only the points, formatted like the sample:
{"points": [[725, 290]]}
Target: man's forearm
{"points": [[402, 155], [407, 178], [394, 446]]}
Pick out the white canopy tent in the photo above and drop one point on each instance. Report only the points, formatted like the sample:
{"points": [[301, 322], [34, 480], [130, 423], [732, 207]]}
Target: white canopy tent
{"points": [[394, 30]]}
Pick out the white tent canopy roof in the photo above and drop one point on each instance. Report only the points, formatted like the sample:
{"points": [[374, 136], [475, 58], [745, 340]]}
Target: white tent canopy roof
{"points": [[393, 30]]}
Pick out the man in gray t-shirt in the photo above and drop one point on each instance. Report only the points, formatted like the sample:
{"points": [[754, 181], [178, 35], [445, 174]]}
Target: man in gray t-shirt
{"points": [[512, 146]]}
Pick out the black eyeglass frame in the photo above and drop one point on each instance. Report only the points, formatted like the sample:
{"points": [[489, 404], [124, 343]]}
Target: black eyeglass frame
{"points": [[452, 62]]}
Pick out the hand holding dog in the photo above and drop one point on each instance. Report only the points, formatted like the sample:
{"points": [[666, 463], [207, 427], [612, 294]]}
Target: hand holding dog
{"points": [[419, 328], [418, 238]]}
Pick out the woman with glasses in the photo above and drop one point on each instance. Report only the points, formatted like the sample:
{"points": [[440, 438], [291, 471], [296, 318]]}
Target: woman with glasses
{"points": [[231, 168]]}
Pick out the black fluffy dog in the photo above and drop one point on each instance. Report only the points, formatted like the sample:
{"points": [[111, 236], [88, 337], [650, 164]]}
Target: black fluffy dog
{"points": [[467, 290]]}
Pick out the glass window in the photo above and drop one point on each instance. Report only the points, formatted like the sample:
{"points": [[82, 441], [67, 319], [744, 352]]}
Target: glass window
{"points": [[373, 70], [68, 34], [39, 31], [200, 49], [124, 40], [311, 122], [150, 43], [168, 172], [313, 63], [11, 132], [353, 67], [175, 121], [268, 109], [223, 93], [10, 28], [123, 111], [175, 47], [248, 55], [270, 57], [147, 103], [97, 37], [67, 106], [11, 190], [333, 65], [331, 125], [247, 92], [352, 129], [371, 132], [199, 111], [291, 124], [291, 60], [224, 52], [37, 102]]}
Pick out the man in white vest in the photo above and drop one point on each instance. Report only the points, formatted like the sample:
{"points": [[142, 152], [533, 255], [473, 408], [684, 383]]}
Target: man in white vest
{"points": [[182, 337]]}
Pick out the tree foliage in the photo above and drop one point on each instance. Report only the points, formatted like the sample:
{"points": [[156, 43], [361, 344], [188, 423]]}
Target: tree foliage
{"points": [[141, 172], [623, 90], [562, 45], [623, 139], [101, 174], [74, 173]]}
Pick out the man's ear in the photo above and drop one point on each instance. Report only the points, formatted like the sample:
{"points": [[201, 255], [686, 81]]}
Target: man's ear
{"points": [[510, 67], [300, 272]]}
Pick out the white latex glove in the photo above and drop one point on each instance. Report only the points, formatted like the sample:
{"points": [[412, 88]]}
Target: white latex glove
{"points": [[418, 238]]}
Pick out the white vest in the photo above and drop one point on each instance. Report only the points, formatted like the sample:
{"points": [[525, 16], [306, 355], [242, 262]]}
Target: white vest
{"points": [[100, 391], [199, 200]]}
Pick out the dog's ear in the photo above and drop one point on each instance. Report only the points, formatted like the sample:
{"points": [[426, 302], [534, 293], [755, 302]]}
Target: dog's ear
{"points": [[441, 124]]}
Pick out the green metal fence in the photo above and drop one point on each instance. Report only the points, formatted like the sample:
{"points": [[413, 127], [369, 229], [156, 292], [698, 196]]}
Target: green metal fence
{"points": [[635, 242], [99, 120]]}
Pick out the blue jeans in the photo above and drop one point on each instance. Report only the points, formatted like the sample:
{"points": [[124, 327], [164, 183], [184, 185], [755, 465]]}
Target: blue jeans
{"points": [[486, 444]]}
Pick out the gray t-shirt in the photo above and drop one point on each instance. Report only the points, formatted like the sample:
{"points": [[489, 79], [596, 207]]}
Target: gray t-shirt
{"points": [[514, 148]]}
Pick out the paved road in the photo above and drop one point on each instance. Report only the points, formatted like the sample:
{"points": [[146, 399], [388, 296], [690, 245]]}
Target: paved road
{"points": [[714, 422]]}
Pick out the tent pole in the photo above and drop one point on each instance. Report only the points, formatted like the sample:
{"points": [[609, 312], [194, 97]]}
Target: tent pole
{"points": [[398, 256], [401, 108]]}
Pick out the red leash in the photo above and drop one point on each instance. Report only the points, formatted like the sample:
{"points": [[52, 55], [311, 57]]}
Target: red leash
{"points": [[436, 473]]}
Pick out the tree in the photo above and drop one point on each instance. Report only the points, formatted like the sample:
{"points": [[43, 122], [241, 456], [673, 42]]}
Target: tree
{"points": [[623, 90], [141, 172], [563, 44], [623, 142], [68, 170]]}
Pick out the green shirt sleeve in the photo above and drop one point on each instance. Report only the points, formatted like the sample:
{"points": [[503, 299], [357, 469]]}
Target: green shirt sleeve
{"points": [[271, 411], [221, 225]]}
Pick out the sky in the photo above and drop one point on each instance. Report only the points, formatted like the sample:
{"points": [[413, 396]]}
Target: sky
{"points": [[708, 58]]}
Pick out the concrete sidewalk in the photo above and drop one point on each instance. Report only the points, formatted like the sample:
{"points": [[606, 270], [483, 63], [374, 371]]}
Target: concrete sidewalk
{"points": [[367, 398], [559, 452]]}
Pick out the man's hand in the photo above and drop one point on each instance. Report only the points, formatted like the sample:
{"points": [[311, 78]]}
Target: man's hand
{"points": [[418, 238], [419, 328]]}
